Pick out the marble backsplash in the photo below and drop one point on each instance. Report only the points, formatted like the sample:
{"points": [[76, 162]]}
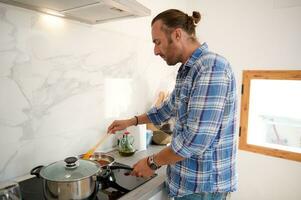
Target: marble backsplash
{"points": [[63, 82]]}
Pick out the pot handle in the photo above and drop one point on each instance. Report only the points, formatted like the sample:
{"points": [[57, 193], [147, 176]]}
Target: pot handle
{"points": [[36, 171]]}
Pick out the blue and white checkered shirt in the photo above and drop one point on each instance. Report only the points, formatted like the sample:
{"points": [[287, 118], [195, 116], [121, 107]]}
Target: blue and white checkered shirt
{"points": [[203, 104]]}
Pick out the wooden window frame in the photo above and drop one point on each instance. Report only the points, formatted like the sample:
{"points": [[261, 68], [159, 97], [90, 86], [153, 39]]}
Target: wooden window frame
{"points": [[248, 75]]}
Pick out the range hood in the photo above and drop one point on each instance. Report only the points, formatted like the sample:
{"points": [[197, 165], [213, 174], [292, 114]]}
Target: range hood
{"points": [[87, 11]]}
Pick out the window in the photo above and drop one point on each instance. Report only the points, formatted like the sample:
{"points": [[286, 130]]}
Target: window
{"points": [[271, 113]]}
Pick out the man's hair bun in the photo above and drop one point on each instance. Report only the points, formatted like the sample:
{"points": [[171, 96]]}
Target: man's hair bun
{"points": [[196, 17]]}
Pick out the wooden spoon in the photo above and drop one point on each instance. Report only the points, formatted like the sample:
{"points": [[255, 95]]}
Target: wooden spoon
{"points": [[91, 151]]}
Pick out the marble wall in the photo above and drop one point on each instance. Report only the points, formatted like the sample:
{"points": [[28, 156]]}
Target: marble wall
{"points": [[62, 83]]}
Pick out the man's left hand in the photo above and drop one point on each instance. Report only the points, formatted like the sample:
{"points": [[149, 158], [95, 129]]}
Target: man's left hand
{"points": [[141, 169]]}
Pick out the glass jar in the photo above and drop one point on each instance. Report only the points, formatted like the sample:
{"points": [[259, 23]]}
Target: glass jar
{"points": [[125, 146]]}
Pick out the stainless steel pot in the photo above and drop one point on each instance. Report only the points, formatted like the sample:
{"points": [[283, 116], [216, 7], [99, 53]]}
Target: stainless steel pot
{"points": [[71, 178]]}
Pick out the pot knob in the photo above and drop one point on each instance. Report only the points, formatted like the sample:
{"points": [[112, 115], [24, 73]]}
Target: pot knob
{"points": [[71, 163]]}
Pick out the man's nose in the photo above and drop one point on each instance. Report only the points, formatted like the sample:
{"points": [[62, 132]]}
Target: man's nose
{"points": [[156, 50]]}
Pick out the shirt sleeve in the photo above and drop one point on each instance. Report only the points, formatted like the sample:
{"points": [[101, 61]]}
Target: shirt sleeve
{"points": [[163, 112], [205, 109]]}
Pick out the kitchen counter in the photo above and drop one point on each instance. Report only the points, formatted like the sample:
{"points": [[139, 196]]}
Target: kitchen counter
{"points": [[153, 186]]}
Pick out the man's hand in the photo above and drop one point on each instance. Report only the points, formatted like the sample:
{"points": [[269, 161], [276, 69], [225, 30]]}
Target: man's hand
{"points": [[141, 169], [119, 125]]}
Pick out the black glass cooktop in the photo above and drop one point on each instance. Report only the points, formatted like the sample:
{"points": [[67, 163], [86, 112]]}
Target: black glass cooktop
{"points": [[32, 189]]}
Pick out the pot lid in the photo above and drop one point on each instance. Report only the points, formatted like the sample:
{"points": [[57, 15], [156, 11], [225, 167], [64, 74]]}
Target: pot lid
{"points": [[70, 169]]}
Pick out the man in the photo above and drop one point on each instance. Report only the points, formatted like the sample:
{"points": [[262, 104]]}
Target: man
{"points": [[201, 160]]}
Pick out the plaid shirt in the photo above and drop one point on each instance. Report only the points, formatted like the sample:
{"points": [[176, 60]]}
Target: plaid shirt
{"points": [[203, 104]]}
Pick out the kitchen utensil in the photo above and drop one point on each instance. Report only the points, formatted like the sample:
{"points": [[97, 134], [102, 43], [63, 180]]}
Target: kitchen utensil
{"points": [[71, 178], [10, 191], [101, 158], [91, 151]]}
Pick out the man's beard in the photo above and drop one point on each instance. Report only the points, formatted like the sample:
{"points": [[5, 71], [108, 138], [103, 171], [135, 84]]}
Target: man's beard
{"points": [[170, 60]]}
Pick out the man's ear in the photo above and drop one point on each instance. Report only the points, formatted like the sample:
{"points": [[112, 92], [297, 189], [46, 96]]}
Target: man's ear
{"points": [[178, 34]]}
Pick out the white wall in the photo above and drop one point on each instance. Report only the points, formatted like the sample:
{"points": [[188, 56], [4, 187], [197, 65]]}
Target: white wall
{"points": [[257, 35], [56, 87]]}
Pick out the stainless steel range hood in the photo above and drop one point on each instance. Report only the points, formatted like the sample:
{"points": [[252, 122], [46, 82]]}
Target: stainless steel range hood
{"points": [[87, 11]]}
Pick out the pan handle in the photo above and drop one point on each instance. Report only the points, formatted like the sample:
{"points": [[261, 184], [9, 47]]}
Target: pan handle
{"points": [[120, 167], [36, 171]]}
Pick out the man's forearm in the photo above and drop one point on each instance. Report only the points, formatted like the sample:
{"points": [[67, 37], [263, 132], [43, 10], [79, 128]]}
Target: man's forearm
{"points": [[140, 119], [167, 156]]}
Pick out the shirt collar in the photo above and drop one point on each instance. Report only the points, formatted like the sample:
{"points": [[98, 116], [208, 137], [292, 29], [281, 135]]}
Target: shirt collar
{"points": [[195, 55]]}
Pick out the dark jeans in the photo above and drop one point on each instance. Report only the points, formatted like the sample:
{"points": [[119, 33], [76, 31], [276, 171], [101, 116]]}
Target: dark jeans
{"points": [[204, 196]]}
